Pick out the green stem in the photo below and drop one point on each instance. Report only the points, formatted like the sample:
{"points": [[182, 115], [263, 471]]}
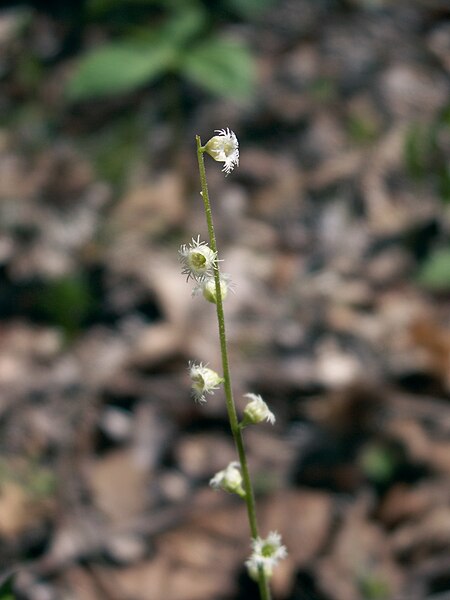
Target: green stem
{"points": [[231, 408]]}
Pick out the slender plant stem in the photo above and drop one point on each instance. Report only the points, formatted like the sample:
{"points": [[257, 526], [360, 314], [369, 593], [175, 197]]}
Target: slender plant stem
{"points": [[231, 408]]}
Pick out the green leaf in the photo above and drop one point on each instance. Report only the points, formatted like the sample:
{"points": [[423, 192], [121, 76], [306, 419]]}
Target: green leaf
{"points": [[417, 147], [378, 463], [435, 272], [373, 586], [444, 184], [249, 8], [95, 8], [6, 592], [223, 67], [66, 302], [361, 130], [118, 68], [186, 23]]}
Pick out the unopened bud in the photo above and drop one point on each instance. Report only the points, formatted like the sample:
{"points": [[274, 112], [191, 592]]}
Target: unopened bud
{"points": [[257, 411], [229, 480], [207, 288]]}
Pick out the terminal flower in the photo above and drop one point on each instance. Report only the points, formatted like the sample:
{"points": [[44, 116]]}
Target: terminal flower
{"points": [[224, 147]]}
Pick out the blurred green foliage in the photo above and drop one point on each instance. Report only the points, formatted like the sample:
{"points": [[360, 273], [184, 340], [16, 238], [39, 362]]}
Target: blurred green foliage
{"points": [[373, 587], [222, 67], [117, 68], [362, 131], [29, 71], [245, 9], [6, 592], [115, 147], [378, 462], [426, 152], [323, 90], [66, 302], [434, 273], [37, 481], [183, 39], [249, 8]]}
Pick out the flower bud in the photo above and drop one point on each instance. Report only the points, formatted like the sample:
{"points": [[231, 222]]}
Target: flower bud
{"points": [[229, 480], [203, 381], [207, 288], [224, 148], [257, 411], [254, 563]]}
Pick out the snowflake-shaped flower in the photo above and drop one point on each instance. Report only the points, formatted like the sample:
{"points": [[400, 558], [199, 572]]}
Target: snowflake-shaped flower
{"points": [[203, 381], [266, 554], [197, 260]]}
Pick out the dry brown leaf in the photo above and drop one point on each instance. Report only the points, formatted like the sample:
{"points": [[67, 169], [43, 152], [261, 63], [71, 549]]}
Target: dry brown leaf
{"points": [[151, 208], [403, 502], [118, 484], [169, 578], [422, 446], [304, 520], [429, 535], [359, 555], [15, 513], [80, 584], [203, 454], [434, 340], [158, 343]]}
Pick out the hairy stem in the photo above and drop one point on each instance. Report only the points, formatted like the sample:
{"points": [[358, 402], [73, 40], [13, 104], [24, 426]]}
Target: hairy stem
{"points": [[231, 408]]}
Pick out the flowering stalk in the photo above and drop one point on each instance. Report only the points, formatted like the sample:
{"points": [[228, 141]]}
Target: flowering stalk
{"points": [[231, 408]]}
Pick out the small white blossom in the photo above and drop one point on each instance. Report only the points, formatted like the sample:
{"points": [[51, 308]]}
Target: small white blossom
{"points": [[203, 381], [197, 259], [229, 480], [266, 554], [207, 288], [257, 411], [253, 563], [224, 148]]}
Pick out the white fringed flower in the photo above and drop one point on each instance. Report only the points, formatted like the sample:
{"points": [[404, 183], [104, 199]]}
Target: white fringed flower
{"points": [[203, 381], [197, 259], [257, 411], [207, 288], [266, 554], [229, 480], [224, 148]]}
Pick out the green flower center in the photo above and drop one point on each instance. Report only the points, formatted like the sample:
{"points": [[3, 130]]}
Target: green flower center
{"points": [[198, 382], [197, 261], [267, 550], [228, 148]]}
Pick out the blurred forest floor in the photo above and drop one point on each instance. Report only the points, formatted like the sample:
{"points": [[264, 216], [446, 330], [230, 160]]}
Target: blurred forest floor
{"points": [[335, 230]]}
